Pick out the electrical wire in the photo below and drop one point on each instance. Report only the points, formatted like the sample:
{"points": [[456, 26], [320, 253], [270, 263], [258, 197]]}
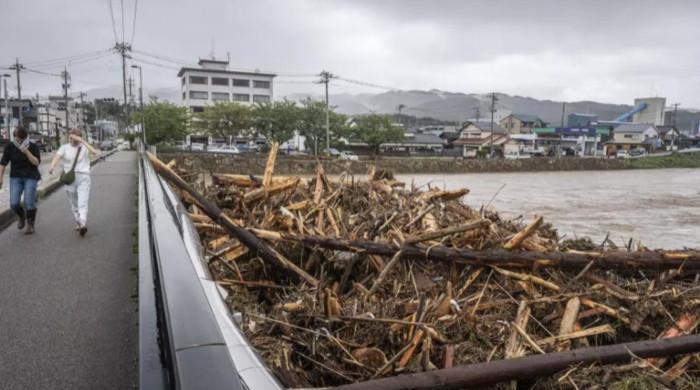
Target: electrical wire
{"points": [[114, 25], [133, 28], [42, 73], [141, 60], [367, 84], [47, 62], [122, 1]]}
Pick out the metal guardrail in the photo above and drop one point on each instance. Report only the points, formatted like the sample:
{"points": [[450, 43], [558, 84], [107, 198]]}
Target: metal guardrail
{"points": [[181, 343]]}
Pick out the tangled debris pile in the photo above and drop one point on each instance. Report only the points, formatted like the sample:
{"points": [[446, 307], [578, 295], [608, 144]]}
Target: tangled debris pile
{"points": [[371, 279]]}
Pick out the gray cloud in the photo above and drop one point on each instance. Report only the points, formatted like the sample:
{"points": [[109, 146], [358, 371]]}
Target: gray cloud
{"points": [[585, 50]]}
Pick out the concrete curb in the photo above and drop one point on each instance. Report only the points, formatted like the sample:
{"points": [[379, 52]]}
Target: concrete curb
{"points": [[7, 216]]}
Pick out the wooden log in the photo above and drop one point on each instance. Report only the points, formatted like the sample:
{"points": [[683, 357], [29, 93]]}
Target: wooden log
{"points": [[247, 238], [530, 367], [513, 346], [613, 259], [270, 166], [568, 321], [523, 234], [274, 188], [446, 232]]}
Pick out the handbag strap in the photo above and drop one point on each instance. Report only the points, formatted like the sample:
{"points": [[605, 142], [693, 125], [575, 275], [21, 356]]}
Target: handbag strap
{"points": [[75, 162]]}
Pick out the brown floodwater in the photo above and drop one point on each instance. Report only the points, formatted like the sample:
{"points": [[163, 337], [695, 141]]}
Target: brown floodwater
{"points": [[659, 207]]}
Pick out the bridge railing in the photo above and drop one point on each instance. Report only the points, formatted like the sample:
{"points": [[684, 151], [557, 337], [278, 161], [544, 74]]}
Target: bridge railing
{"points": [[188, 339]]}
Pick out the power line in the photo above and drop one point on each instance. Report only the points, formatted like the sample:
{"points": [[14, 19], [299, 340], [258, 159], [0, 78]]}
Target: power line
{"points": [[122, 2], [43, 73], [114, 26], [76, 61], [367, 84], [41, 63], [133, 29], [141, 60]]}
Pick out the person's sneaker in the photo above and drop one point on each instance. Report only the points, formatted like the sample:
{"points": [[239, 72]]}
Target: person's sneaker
{"points": [[21, 223], [83, 230], [30, 229]]}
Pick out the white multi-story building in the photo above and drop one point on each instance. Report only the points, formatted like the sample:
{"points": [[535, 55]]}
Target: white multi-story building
{"points": [[214, 82]]}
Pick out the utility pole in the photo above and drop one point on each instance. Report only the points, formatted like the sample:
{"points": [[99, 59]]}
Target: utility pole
{"points": [[66, 85], [675, 129], [477, 113], [326, 77], [7, 109], [563, 110], [82, 109], [143, 118], [494, 99], [17, 68], [123, 48]]}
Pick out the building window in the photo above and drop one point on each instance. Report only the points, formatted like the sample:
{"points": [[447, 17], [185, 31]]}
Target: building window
{"points": [[628, 135], [219, 81], [261, 84], [219, 96], [241, 97], [197, 109], [199, 95], [198, 80], [261, 98], [241, 83], [184, 95]]}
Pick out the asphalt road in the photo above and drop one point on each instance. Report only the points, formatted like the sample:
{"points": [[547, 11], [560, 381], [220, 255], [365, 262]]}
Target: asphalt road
{"points": [[68, 312]]}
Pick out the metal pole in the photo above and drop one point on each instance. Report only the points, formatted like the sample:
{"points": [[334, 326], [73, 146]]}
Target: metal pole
{"points": [[7, 109], [328, 123], [143, 117]]}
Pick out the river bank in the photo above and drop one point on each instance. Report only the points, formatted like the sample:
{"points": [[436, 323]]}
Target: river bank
{"points": [[287, 165]]}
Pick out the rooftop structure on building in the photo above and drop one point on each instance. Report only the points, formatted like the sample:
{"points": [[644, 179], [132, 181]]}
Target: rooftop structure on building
{"points": [[214, 82]]}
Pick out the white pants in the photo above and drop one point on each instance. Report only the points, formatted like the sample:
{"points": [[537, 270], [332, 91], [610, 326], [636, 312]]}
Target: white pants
{"points": [[78, 195]]}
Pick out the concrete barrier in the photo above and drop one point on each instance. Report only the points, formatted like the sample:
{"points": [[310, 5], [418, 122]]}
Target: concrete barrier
{"points": [[7, 216]]}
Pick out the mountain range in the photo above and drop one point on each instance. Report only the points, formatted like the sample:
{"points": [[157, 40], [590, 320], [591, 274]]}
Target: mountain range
{"points": [[446, 106]]}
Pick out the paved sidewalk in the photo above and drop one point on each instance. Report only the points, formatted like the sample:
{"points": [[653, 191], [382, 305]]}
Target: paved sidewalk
{"points": [[68, 315]]}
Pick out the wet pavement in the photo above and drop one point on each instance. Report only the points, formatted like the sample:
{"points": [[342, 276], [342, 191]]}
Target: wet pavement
{"points": [[660, 207]]}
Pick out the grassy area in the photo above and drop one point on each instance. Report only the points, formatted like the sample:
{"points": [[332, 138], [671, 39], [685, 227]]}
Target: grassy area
{"points": [[688, 160]]}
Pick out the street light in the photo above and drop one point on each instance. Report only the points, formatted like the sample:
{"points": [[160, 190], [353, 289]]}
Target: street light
{"points": [[143, 120], [7, 107]]}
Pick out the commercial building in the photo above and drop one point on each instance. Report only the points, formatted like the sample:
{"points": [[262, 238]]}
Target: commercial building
{"points": [[581, 120], [571, 141], [213, 82], [653, 112]]}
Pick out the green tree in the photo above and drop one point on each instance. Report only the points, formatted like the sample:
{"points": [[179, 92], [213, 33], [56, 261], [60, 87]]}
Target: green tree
{"points": [[375, 129], [164, 121], [313, 125], [224, 119], [276, 120]]}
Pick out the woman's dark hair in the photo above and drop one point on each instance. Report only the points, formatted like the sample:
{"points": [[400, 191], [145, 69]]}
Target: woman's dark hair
{"points": [[21, 132]]}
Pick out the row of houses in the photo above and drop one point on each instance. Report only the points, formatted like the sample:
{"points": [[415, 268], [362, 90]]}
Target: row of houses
{"points": [[527, 135]]}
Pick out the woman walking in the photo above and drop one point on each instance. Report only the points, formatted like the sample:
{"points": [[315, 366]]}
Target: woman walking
{"points": [[75, 157], [25, 158]]}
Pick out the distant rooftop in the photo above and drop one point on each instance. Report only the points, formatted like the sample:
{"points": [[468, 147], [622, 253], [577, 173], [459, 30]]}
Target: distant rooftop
{"points": [[527, 117], [220, 66], [633, 128]]}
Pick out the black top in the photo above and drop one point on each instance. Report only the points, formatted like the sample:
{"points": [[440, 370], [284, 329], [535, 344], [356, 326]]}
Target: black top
{"points": [[21, 166]]}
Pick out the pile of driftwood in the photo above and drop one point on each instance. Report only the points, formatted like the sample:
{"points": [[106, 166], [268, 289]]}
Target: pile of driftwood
{"points": [[344, 279]]}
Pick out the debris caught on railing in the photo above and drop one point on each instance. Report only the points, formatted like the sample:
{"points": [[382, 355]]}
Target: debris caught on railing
{"points": [[347, 279]]}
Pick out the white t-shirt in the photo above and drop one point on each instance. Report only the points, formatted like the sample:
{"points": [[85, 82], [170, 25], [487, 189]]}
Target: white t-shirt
{"points": [[67, 153]]}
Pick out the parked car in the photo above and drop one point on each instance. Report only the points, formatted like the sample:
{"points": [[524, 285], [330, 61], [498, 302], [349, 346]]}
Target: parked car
{"points": [[333, 152], [638, 152], [223, 149], [622, 153], [245, 148], [107, 145], [196, 146], [347, 155], [41, 141]]}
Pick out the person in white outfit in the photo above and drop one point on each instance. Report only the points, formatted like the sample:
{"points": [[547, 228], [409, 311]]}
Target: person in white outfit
{"points": [[78, 191]]}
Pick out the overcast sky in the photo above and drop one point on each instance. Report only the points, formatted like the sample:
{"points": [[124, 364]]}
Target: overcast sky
{"points": [[609, 51]]}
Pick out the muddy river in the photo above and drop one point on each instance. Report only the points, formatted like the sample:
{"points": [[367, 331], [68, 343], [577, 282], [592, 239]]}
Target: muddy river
{"points": [[660, 207]]}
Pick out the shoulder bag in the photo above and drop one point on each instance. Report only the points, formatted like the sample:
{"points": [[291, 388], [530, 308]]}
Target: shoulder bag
{"points": [[68, 178]]}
